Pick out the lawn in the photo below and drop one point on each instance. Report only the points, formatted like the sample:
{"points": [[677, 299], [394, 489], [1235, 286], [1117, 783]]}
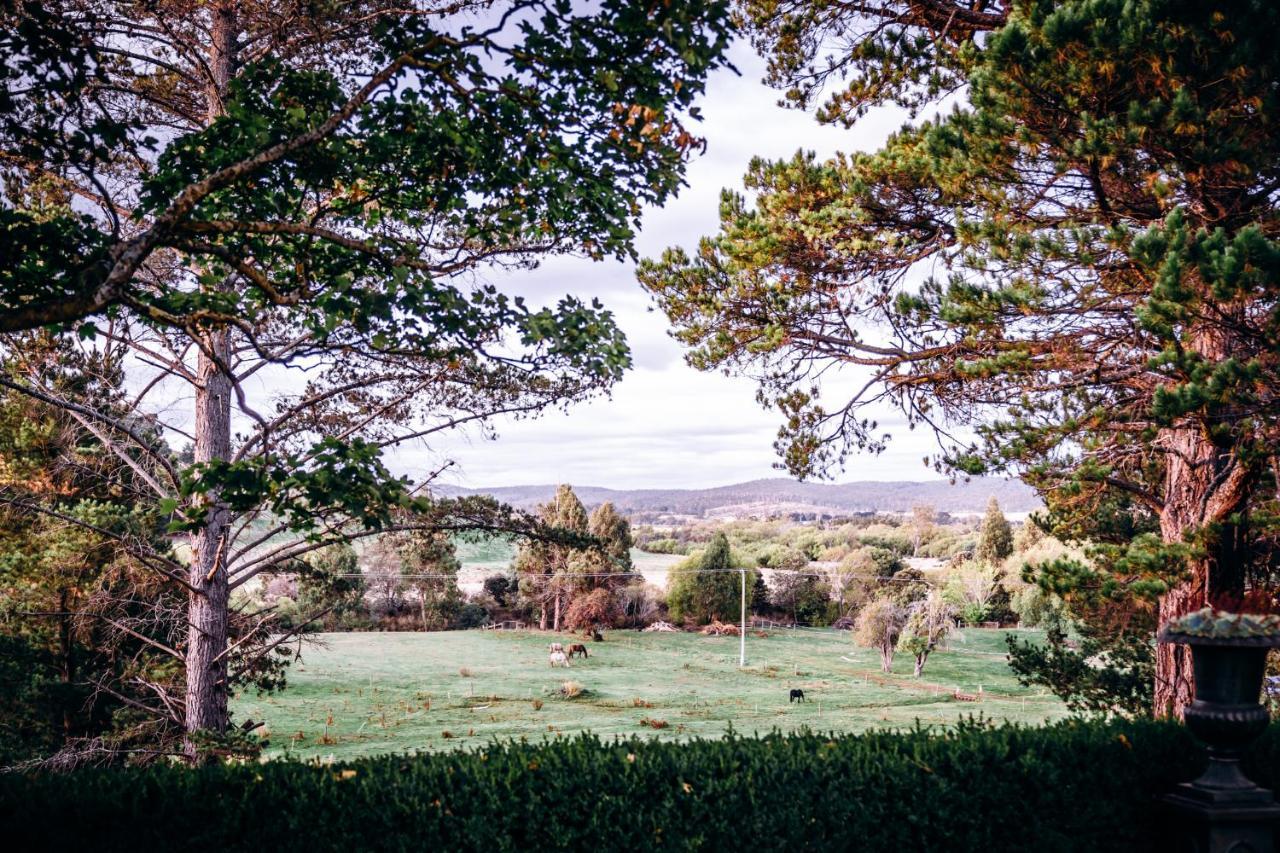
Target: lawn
{"points": [[372, 693]]}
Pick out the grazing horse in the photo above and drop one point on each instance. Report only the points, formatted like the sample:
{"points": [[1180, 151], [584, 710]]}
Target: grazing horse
{"points": [[558, 659], [578, 649], [556, 647], [797, 695], [597, 636]]}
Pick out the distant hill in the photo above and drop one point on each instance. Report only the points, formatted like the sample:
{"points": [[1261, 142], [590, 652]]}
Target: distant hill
{"points": [[782, 496]]}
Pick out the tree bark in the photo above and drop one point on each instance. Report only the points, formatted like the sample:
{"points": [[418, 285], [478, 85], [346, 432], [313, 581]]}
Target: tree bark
{"points": [[207, 605], [1204, 484], [207, 611]]}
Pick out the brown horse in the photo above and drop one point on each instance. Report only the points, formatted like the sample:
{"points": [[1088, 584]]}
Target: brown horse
{"points": [[578, 649]]}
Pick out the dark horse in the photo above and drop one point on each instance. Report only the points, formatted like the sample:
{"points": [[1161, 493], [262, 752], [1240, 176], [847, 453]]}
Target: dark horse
{"points": [[797, 695], [578, 649]]}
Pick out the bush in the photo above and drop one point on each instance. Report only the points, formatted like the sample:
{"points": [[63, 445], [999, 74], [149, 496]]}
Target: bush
{"points": [[1068, 786], [472, 615], [598, 607], [663, 546], [899, 543]]}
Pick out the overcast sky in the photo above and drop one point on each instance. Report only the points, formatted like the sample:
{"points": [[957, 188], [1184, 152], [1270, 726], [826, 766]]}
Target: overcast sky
{"points": [[666, 424]]}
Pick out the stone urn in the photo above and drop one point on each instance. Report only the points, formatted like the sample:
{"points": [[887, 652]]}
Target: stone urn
{"points": [[1223, 809]]}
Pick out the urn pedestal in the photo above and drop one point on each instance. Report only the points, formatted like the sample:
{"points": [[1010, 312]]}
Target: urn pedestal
{"points": [[1223, 811]]}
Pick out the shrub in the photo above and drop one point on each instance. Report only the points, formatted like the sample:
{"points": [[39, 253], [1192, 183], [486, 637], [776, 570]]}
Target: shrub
{"points": [[598, 607], [899, 543], [663, 546], [472, 615], [1068, 786]]}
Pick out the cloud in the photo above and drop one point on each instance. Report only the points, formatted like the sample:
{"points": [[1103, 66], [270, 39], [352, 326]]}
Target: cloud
{"points": [[667, 425]]}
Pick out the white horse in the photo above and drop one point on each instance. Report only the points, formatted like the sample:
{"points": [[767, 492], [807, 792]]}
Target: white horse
{"points": [[558, 658]]}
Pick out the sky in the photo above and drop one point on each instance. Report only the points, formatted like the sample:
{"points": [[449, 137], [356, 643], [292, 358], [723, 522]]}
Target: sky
{"points": [[667, 425]]}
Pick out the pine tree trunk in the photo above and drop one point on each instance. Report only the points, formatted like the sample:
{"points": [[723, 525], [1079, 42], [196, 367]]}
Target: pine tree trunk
{"points": [[1203, 484], [207, 612], [919, 665], [556, 619], [207, 605]]}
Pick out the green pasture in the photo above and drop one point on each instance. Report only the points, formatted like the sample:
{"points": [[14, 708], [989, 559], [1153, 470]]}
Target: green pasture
{"points": [[372, 693]]}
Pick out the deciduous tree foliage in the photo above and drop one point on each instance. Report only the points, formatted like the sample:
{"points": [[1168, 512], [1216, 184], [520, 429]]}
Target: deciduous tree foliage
{"points": [[1074, 257], [705, 587], [329, 584], [879, 626], [233, 189], [929, 622]]}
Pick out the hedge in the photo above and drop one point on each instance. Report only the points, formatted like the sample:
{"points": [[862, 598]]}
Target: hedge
{"points": [[1069, 786]]}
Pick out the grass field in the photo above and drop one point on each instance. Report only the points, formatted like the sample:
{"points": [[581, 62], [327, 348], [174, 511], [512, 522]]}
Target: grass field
{"points": [[373, 693]]}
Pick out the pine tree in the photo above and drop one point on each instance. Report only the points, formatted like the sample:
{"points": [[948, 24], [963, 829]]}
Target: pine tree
{"points": [[1098, 209], [995, 541], [549, 571], [614, 531], [760, 603]]}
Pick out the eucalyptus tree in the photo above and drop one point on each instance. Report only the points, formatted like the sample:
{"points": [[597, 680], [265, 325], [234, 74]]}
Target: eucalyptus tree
{"points": [[1073, 259], [287, 214]]}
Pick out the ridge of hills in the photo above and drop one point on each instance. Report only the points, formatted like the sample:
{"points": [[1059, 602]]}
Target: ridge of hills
{"points": [[782, 496]]}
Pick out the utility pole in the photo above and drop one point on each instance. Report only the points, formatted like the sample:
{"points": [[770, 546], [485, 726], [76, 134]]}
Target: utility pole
{"points": [[742, 634]]}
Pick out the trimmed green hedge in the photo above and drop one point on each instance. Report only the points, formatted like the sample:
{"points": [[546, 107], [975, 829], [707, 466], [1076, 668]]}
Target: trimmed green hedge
{"points": [[1070, 786]]}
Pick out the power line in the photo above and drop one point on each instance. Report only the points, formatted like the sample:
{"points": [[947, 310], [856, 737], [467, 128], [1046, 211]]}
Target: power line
{"points": [[623, 572]]}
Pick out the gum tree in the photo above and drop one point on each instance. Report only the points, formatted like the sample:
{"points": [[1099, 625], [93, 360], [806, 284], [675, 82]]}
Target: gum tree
{"points": [[286, 214], [1074, 260]]}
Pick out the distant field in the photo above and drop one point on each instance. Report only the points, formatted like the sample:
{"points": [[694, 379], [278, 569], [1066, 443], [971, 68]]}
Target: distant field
{"points": [[372, 693]]}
